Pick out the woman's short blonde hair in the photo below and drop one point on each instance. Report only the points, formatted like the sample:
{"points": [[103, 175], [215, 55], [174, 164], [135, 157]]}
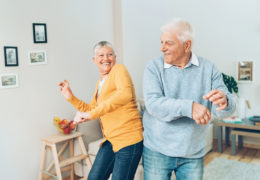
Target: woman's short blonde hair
{"points": [[102, 44]]}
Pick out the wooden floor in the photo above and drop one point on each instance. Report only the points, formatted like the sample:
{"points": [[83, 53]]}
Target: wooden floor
{"points": [[246, 154]]}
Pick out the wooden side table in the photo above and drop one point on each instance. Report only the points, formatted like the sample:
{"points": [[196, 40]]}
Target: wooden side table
{"points": [[244, 124], [65, 164], [240, 133]]}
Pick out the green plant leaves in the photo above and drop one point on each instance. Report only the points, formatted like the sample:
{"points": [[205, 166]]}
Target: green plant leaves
{"points": [[230, 82]]}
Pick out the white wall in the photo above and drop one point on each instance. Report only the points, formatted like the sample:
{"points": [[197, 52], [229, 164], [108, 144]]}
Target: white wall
{"points": [[225, 32], [26, 112]]}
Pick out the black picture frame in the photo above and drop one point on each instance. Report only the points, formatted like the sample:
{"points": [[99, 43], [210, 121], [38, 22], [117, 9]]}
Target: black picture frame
{"points": [[11, 55], [39, 33]]}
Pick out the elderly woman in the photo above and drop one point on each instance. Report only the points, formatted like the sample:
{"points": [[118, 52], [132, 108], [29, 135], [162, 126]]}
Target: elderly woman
{"points": [[114, 103]]}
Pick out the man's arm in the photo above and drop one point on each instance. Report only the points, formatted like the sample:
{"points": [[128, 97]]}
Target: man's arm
{"points": [[161, 107], [219, 87]]}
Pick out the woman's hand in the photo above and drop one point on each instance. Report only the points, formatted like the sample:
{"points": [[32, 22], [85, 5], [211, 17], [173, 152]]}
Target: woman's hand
{"points": [[65, 89], [81, 117]]}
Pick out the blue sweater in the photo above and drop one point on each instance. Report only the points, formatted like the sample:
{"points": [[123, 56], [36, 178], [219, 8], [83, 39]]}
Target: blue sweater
{"points": [[168, 95]]}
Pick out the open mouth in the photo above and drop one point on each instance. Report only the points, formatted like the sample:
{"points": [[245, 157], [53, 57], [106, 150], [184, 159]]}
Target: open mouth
{"points": [[106, 63]]}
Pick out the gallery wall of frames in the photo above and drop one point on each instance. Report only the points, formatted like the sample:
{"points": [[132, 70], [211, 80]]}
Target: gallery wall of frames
{"points": [[11, 58]]}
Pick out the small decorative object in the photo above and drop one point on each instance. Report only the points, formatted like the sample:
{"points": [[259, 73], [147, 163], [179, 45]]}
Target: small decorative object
{"points": [[37, 57], [245, 71], [11, 56], [232, 120], [8, 80], [39, 33], [231, 83], [255, 120], [64, 125]]}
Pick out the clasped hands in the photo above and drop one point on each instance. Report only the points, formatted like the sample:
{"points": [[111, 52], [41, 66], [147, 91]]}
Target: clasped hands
{"points": [[81, 117], [201, 114]]}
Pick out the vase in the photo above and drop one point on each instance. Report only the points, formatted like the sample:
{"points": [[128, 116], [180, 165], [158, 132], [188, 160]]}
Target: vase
{"points": [[242, 108]]}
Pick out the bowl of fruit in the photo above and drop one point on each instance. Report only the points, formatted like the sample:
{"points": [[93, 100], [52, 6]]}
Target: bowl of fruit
{"points": [[63, 125]]}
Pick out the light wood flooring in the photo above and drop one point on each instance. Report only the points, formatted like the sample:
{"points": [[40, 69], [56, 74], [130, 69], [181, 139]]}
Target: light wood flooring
{"points": [[249, 153]]}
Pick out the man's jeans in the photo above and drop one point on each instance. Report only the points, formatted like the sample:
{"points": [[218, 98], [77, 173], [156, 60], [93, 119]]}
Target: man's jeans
{"points": [[122, 164], [159, 167]]}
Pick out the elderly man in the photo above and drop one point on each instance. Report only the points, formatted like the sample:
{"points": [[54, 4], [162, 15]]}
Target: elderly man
{"points": [[180, 90]]}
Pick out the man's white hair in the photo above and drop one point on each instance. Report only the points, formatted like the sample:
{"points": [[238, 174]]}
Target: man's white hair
{"points": [[102, 44], [183, 28]]}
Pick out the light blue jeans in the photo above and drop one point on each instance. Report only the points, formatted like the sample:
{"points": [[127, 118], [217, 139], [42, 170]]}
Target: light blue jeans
{"points": [[159, 167]]}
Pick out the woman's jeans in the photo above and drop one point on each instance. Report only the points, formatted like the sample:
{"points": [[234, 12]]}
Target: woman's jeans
{"points": [[122, 164], [159, 167]]}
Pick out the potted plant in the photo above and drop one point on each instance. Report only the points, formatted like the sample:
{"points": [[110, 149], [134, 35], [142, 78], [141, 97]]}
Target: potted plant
{"points": [[231, 83], [241, 102]]}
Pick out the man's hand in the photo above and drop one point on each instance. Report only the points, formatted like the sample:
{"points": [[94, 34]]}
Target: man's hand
{"points": [[200, 113], [218, 98], [81, 117], [65, 89]]}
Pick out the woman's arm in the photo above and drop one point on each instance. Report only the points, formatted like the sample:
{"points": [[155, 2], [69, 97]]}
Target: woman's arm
{"points": [[122, 95], [68, 95]]}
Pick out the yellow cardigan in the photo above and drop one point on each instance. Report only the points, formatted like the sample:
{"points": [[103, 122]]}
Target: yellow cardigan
{"points": [[116, 108]]}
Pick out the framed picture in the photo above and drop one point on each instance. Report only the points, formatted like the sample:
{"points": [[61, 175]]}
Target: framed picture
{"points": [[11, 56], [245, 71], [39, 33], [8, 80], [37, 57]]}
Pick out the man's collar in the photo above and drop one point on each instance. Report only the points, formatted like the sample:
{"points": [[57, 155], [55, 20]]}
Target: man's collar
{"points": [[193, 60], [167, 65]]}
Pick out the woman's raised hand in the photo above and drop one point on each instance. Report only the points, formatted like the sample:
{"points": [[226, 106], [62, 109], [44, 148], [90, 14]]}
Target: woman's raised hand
{"points": [[65, 89]]}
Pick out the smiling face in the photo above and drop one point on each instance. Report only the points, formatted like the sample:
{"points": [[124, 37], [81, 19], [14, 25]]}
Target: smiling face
{"points": [[105, 59], [175, 52]]}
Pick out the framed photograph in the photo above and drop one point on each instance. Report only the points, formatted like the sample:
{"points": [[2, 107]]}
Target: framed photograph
{"points": [[39, 33], [37, 57], [245, 71], [8, 80], [11, 56]]}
